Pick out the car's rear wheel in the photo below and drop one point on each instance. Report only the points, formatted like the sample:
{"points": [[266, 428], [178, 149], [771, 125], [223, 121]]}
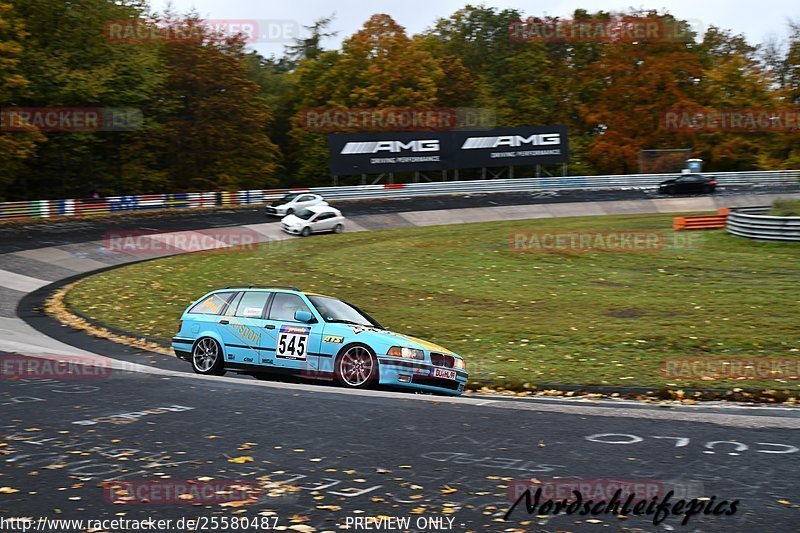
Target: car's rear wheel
{"points": [[305, 232], [669, 190], [207, 358], [356, 367], [338, 229]]}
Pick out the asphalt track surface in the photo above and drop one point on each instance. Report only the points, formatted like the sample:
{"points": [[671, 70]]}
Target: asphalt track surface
{"points": [[36, 234], [322, 457]]}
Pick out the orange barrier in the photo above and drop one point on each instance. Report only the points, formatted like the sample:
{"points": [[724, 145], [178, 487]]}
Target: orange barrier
{"points": [[703, 222]]}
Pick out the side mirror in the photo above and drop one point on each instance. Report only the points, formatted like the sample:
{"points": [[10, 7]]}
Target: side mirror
{"points": [[303, 316]]}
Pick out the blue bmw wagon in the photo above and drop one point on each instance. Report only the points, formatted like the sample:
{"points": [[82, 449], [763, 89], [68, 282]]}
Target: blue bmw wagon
{"points": [[261, 330]]}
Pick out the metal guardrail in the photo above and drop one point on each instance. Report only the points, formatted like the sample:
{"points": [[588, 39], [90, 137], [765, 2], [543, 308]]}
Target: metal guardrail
{"points": [[120, 204], [749, 223]]}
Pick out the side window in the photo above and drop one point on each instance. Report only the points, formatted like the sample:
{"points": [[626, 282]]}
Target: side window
{"points": [[213, 304], [324, 216], [252, 304], [306, 198], [231, 309], [284, 306]]}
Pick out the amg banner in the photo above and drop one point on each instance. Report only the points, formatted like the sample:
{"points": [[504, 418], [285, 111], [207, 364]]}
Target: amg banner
{"points": [[500, 147], [372, 153]]}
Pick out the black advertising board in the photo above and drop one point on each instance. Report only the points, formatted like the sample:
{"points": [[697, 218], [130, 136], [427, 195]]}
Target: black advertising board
{"points": [[373, 153], [530, 145]]}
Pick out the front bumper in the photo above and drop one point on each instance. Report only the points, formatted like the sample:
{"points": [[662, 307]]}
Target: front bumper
{"points": [[274, 211], [418, 375], [293, 230]]}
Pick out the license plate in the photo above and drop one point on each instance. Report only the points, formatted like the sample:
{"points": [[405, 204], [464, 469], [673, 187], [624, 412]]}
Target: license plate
{"points": [[446, 374]]}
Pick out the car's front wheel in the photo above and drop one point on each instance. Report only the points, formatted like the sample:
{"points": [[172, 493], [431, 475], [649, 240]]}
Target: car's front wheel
{"points": [[356, 367], [207, 358], [305, 232]]}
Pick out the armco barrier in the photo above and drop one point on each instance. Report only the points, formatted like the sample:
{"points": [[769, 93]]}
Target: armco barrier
{"points": [[117, 204], [753, 224]]}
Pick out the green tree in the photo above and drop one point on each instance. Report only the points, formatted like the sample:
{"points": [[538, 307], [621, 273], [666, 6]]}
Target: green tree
{"points": [[311, 46], [70, 62]]}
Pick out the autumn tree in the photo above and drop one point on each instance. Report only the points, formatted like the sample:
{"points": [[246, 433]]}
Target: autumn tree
{"points": [[15, 147], [635, 83], [378, 67], [214, 122], [734, 79]]}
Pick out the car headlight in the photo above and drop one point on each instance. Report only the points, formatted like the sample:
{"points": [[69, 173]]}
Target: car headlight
{"points": [[408, 353], [459, 364]]}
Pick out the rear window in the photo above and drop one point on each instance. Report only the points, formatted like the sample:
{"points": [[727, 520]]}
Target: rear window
{"points": [[214, 304]]}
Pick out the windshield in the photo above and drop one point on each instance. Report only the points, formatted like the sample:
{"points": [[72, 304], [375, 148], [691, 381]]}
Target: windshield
{"points": [[285, 200], [333, 310], [305, 214]]}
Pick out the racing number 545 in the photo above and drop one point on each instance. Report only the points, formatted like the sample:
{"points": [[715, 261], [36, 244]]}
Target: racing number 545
{"points": [[292, 343]]}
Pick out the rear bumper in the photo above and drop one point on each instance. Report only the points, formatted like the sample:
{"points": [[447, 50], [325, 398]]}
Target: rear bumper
{"points": [[182, 348]]}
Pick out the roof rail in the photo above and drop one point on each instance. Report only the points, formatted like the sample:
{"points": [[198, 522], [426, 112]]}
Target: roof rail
{"points": [[290, 287]]}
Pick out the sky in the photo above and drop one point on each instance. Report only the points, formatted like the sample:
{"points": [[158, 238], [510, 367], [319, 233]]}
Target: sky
{"points": [[758, 20]]}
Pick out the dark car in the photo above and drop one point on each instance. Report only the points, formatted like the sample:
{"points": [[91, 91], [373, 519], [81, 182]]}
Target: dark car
{"points": [[687, 183]]}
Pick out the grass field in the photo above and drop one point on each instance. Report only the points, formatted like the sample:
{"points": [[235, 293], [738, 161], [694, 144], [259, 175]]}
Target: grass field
{"points": [[571, 318]]}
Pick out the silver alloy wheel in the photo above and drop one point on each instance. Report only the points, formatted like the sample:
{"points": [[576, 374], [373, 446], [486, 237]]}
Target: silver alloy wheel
{"points": [[356, 366], [338, 228], [305, 232], [205, 355]]}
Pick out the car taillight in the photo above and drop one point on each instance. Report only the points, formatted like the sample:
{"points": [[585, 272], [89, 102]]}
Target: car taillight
{"points": [[713, 182], [180, 325]]}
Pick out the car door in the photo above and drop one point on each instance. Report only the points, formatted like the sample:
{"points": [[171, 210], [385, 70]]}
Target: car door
{"points": [[324, 222], [692, 184], [243, 328], [296, 344]]}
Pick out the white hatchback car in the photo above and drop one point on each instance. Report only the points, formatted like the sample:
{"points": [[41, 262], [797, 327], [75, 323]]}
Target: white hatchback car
{"points": [[293, 202], [314, 219]]}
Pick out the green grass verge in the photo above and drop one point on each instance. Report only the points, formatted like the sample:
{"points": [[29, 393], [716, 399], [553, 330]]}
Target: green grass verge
{"points": [[572, 318], [785, 208]]}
